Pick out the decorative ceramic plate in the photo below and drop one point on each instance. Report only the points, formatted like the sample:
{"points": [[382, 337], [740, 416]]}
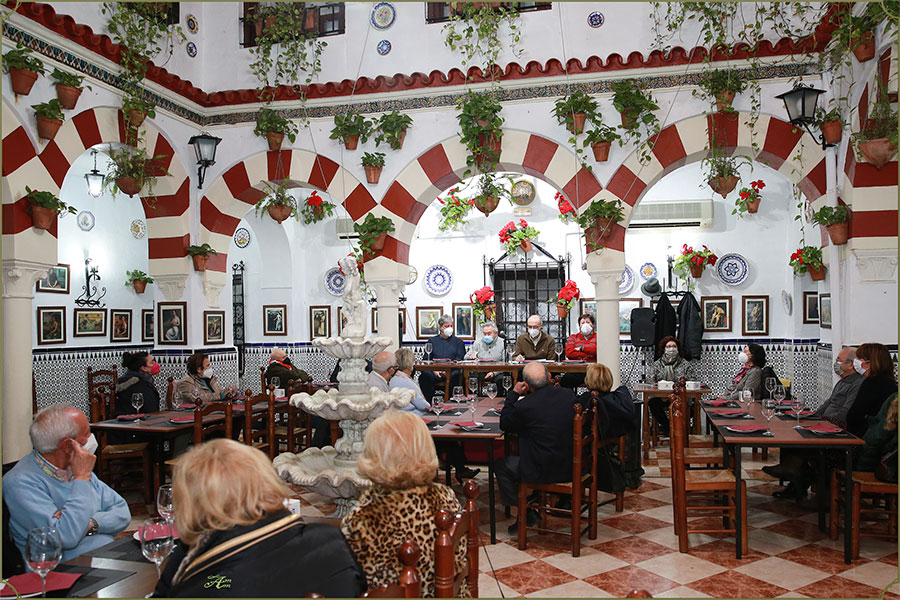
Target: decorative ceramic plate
{"points": [[595, 19], [334, 281], [242, 237], [732, 269], [627, 280], [191, 49], [138, 229], [384, 47], [786, 302], [86, 220], [648, 271], [192, 23], [523, 192], [438, 280], [413, 275], [383, 15]]}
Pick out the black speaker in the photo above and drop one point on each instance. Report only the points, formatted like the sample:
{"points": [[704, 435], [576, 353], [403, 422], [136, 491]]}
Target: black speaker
{"points": [[643, 326]]}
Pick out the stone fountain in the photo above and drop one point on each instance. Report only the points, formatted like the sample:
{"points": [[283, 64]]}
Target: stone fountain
{"points": [[331, 471]]}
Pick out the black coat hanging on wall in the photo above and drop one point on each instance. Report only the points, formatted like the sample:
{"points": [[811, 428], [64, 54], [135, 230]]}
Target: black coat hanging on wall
{"points": [[665, 323], [690, 327]]}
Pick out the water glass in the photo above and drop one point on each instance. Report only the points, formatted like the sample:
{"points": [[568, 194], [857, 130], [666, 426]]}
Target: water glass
{"points": [[165, 505], [490, 390], [276, 381], [507, 382], [797, 406], [747, 399], [137, 401], [457, 393], [437, 405], [768, 411], [472, 403], [428, 349], [176, 400], [43, 550], [770, 385], [157, 540]]}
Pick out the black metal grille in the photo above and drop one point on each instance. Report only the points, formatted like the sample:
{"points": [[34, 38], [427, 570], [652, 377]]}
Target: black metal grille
{"points": [[237, 303]]}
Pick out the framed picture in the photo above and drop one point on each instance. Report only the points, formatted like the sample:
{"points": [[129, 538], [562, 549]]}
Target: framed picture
{"points": [[588, 307], [463, 320], [756, 315], [319, 321], [56, 281], [90, 322], [172, 323], [275, 319], [51, 325], [341, 320], [810, 308], [213, 327], [626, 305], [427, 321], [121, 325], [402, 318], [147, 334], [825, 311], [716, 312]]}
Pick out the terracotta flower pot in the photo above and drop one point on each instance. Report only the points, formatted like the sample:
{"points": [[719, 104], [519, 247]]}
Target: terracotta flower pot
{"points": [[562, 311], [318, 212], [275, 140], [832, 131], [139, 286], [696, 270], [47, 128], [526, 245], [578, 125], [200, 261], [489, 312], [627, 120], [596, 234], [487, 204], [373, 174], [839, 233], [129, 185], [816, 274], [42, 217], [67, 95], [753, 205], [864, 46], [877, 151], [135, 118], [724, 100], [379, 242], [279, 212], [351, 141], [723, 185], [21, 81], [601, 151]]}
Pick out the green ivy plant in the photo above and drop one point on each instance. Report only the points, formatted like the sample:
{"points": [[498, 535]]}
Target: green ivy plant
{"points": [[576, 103], [390, 129], [600, 133], [349, 124], [882, 122], [370, 229], [48, 200], [711, 84], [831, 215], [21, 58], [481, 128], [600, 209], [49, 110], [474, 32], [130, 162], [454, 210], [637, 106], [269, 121], [136, 275]]}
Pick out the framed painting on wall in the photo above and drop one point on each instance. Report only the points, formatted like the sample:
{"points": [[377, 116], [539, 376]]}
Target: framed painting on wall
{"points": [[90, 322], [463, 320], [626, 305], [171, 322], [427, 321], [275, 319], [716, 311], [213, 327], [319, 321], [147, 333], [56, 281], [402, 318], [341, 320], [810, 308], [588, 307], [756, 315], [825, 311], [51, 325], [121, 326]]}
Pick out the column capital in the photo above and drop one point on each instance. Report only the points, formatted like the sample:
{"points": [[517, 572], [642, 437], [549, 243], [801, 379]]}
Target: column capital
{"points": [[876, 266], [172, 286], [20, 277], [212, 289]]}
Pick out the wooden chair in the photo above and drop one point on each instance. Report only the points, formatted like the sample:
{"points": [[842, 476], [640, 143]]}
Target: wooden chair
{"points": [[408, 584], [701, 492], [103, 378], [584, 439], [871, 498], [450, 530], [262, 377], [116, 462], [261, 438], [699, 450], [294, 429], [170, 392], [203, 431]]}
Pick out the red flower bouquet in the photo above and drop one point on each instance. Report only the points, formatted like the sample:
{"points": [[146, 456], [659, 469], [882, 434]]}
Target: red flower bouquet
{"points": [[566, 211], [482, 301], [315, 208], [748, 199], [694, 261], [512, 236]]}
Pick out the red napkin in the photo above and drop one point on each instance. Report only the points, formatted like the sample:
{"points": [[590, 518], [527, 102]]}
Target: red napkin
{"points": [[141, 528], [803, 413], [746, 427], [465, 423], [30, 583], [182, 419], [728, 411], [720, 402], [824, 428], [133, 417], [281, 400], [188, 406]]}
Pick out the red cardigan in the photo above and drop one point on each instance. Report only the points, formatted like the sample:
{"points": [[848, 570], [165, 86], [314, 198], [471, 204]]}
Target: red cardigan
{"points": [[589, 344]]}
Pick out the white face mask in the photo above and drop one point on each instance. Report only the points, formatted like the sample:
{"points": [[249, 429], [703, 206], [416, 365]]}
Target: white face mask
{"points": [[207, 374], [447, 331], [837, 367], [534, 332], [586, 329], [857, 364], [91, 444], [671, 352], [743, 358]]}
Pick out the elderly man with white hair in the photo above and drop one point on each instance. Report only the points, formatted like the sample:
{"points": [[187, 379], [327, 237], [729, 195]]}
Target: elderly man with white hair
{"points": [[384, 365], [280, 366], [444, 346], [55, 486]]}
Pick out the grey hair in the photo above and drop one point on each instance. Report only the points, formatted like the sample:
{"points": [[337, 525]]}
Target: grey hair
{"points": [[851, 354], [444, 320], [405, 359], [383, 361], [51, 426], [492, 325], [540, 320], [527, 375], [276, 352]]}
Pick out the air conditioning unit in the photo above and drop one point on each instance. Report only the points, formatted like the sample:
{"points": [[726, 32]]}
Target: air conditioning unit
{"points": [[344, 227], [674, 213]]}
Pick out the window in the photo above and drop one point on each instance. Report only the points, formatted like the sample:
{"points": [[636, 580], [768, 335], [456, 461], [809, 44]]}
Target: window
{"points": [[439, 12], [323, 18]]}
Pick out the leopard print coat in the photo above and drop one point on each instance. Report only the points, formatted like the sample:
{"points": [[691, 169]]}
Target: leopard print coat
{"points": [[383, 519]]}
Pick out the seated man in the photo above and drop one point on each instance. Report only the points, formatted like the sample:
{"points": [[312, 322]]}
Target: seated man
{"points": [[541, 414], [55, 486], [488, 347], [383, 368], [445, 345], [280, 366], [581, 345], [534, 344]]}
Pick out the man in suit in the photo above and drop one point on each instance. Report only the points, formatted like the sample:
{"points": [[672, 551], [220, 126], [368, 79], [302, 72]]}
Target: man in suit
{"points": [[541, 414]]}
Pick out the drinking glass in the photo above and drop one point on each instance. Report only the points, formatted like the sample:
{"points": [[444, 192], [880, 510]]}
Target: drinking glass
{"points": [[770, 385], [768, 411], [507, 383], [157, 540], [457, 393], [276, 381], [472, 402], [746, 399], [473, 386], [797, 406], [43, 549], [437, 405], [428, 349], [137, 401], [490, 390], [164, 503], [559, 350], [780, 393], [176, 400]]}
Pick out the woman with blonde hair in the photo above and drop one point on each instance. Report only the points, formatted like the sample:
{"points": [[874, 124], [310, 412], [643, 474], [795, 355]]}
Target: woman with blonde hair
{"points": [[400, 459], [239, 540]]}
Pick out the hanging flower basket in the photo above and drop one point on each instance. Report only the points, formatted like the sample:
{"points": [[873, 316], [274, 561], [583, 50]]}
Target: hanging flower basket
{"points": [[487, 204], [67, 95], [514, 236], [724, 100], [696, 271], [129, 185], [816, 274], [135, 118], [525, 245], [832, 131], [601, 151], [21, 81], [42, 217], [275, 139], [808, 259], [482, 301], [562, 311], [839, 233], [723, 185], [489, 312], [565, 298], [200, 261], [864, 46], [694, 261], [877, 151], [280, 212]]}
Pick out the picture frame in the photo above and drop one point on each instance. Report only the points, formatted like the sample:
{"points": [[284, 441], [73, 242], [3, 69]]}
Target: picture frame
{"points": [[56, 281], [587, 306], [51, 325], [810, 308], [120, 328], [463, 321], [755, 319], [274, 319], [402, 318], [626, 305], [319, 322], [427, 321], [147, 325], [716, 313], [171, 323], [89, 322], [213, 327], [825, 311], [341, 321]]}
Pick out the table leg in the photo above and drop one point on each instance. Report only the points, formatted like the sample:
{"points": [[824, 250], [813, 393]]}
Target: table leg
{"points": [[695, 405], [491, 499], [821, 486], [645, 433], [464, 373], [738, 502], [848, 505], [160, 462]]}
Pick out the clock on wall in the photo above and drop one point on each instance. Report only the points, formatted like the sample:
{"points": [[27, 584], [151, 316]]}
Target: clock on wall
{"points": [[522, 192]]}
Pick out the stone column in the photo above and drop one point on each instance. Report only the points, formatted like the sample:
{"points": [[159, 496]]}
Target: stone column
{"points": [[836, 269], [387, 279], [19, 278], [605, 268]]}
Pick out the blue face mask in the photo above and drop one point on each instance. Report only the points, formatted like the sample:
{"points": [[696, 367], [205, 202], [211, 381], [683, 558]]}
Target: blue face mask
{"points": [[488, 339]]}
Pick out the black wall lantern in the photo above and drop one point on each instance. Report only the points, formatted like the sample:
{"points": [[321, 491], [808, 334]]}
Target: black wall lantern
{"points": [[94, 179], [205, 147], [800, 104]]}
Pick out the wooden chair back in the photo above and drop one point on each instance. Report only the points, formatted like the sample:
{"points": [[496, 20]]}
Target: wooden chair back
{"points": [[450, 530], [170, 392], [34, 408], [266, 418], [408, 584], [678, 431], [103, 378], [262, 378], [202, 430]]}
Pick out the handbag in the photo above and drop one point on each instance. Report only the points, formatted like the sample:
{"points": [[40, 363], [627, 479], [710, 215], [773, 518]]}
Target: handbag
{"points": [[886, 469], [610, 474]]}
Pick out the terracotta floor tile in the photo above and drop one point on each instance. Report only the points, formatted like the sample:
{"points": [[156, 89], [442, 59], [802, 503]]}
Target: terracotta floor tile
{"points": [[764, 489], [633, 549], [648, 486], [838, 587], [642, 502], [591, 562], [819, 557], [546, 544], [681, 568], [732, 584], [798, 529], [621, 581], [682, 592], [722, 553], [785, 507], [572, 589], [634, 523], [532, 576], [874, 573], [890, 559]]}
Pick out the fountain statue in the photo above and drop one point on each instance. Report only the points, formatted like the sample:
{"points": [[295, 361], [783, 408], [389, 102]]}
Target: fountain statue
{"points": [[332, 471]]}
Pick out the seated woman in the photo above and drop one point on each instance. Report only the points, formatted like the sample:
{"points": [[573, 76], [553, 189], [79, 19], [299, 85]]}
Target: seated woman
{"points": [[400, 460], [880, 436], [873, 362], [615, 408], [403, 379], [670, 366], [752, 359], [581, 345], [140, 369], [238, 539], [200, 382]]}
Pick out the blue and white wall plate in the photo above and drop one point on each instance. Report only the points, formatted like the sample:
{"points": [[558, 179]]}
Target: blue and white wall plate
{"points": [[192, 49], [438, 281], [192, 23], [138, 229], [787, 302], [732, 269], [242, 237], [334, 281], [383, 15], [85, 220], [384, 47], [413, 275], [648, 271], [627, 280], [595, 19]]}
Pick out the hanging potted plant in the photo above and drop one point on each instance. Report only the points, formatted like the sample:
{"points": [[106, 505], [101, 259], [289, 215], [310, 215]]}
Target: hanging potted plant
{"points": [[636, 107], [480, 124], [138, 280], [352, 128], [391, 129], [68, 87], [573, 110], [567, 212], [483, 305], [454, 210], [49, 117], [748, 199], [514, 236], [278, 203], [597, 221], [721, 171], [876, 141], [135, 110], [373, 163], [600, 139], [373, 234], [836, 220], [720, 86], [565, 298], [315, 208], [830, 124], [857, 32], [44, 207], [489, 194], [274, 127], [808, 259], [23, 69], [200, 255], [474, 32], [694, 261], [131, 170]]}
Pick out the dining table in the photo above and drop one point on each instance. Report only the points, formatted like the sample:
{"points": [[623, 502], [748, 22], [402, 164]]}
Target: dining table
{"points": [[490, 366], [652, 390]]}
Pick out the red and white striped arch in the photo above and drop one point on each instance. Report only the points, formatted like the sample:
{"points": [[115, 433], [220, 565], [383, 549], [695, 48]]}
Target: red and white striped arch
{"points": [[437, 169], [44, 166]]}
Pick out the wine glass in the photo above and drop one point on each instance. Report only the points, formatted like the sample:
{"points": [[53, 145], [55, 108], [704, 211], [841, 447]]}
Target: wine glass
{"points": [[176, 400], [770, 385], [797, 406], [490, 390], [137, 401], [457, 393], [507, 383], [472, 403], [157, 540], [746, 399], [276, 381], [43, 550], [164, 503], [437, 405], [768, 411], [428, 349], [559, 351], [473, 386]]}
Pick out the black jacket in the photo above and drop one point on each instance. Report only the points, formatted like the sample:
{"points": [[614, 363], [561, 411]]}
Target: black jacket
{"points": [[665, 323], [690, 327], [615, 409], [871, 396], [133, 382], [297, 560], [543, 421]]}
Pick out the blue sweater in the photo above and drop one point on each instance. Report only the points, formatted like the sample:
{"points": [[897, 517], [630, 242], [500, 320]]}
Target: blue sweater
{"points": [[451, 347], [33, 497]]}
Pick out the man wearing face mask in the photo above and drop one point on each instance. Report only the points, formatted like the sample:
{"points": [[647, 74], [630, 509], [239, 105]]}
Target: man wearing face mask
{"points": [[444, 346], [489, 346], [384, 365], [534, 344], [280, 366], [581, 345], [55, 486]]}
